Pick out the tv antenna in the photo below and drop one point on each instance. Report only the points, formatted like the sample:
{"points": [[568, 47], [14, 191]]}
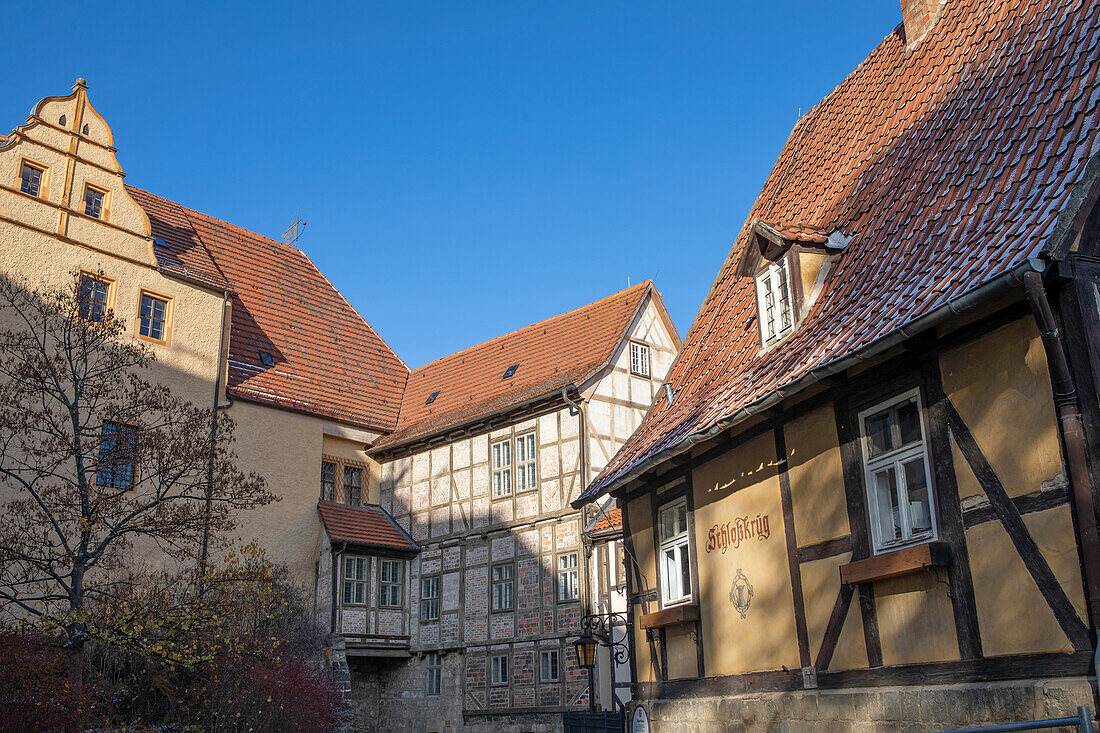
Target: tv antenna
{"points": [[292, 233]]}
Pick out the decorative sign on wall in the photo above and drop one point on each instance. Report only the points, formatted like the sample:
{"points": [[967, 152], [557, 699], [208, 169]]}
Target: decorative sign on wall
{"points": [[732, 534], [639, 722], [741, 593]]}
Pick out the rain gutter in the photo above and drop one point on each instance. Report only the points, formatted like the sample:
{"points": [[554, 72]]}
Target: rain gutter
{"points": [[1002, 283]]}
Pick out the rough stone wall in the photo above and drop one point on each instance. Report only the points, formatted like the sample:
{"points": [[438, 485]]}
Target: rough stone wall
{"points": [[878, 709]]}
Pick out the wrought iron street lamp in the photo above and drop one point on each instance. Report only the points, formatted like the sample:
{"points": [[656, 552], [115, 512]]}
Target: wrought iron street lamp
{"points": [[596, 631]]}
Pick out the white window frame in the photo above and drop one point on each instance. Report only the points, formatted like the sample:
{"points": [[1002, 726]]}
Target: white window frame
{"points": [[545, 666], [896, 458], [775, 321], [639, 359], [499, 671], [429, 604], [385, 585], [434, 685], [501, 468], [504, 600], [568, 585], [673, 571], [526, 460], [356, 582]]}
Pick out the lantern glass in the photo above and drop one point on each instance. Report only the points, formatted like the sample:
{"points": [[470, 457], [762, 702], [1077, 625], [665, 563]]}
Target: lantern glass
{"points": [[585, 647]]}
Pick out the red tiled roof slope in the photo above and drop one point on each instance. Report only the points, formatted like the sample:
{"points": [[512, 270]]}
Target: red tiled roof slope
{"points": [[948, 162], [367, 526], [329, 362], [611, 520], [551, 354]]}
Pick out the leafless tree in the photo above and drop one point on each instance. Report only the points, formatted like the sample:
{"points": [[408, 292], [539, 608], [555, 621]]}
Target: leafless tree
{"points": [[95, 457]]}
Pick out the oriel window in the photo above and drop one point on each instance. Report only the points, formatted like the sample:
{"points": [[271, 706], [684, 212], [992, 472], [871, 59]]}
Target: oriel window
{"points": [[389, 582], [355, 580]]}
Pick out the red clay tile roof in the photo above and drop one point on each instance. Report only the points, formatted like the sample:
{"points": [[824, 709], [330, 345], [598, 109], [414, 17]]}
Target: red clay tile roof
{"points": [[797, 232], [366, 526], [329, 362], [610, 521], [949, 163], [559, 352]]}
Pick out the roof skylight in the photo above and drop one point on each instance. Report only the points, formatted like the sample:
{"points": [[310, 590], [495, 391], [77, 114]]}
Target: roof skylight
{"points": [[510, 371], [431, 397]]}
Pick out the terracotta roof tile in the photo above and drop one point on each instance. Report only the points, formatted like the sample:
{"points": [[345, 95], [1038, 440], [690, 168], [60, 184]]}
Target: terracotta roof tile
{"points": [[610, 521], [366, 526], [328, 361], [555, 353], [949, 163]]}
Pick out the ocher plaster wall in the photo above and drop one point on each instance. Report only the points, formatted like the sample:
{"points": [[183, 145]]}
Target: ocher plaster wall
{"points": [[744, 483], [817, 477], [1000, 385]]}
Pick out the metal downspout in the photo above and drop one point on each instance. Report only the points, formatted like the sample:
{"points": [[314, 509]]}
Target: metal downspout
{"points": [[336, 556], [1073, 438]]}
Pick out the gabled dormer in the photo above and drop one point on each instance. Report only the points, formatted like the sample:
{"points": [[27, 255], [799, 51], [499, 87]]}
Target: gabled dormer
{"points": [[788, 263]]}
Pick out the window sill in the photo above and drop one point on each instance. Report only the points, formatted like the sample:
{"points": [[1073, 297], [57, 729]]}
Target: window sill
{"points": [[682, 613], [896, 563]]}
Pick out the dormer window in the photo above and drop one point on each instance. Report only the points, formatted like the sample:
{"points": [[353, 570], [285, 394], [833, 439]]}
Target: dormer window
{"points": [[773, 296]]}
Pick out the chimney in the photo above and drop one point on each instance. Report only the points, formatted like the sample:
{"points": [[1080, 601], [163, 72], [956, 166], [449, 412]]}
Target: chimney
{"points": [[918, 16]]}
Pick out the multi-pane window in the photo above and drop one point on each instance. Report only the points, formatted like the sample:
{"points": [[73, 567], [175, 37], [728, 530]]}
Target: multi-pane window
{"points": [[525, 463], [429, 598], [353, 485], [328, 480], [639, 359], [153, 317], [773, 295], [502, 587], [93, 202], [548, 665], [620, 565], [896, 464], [389, 582], [435, 673], [117, 456], [30, 179], [567, 577], [355, 580], [92, 294], [342, 482], [502, 468], [672, 528], [500, 670]]}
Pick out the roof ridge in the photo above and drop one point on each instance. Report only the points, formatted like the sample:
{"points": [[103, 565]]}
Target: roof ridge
{"points": [[514, 331]]}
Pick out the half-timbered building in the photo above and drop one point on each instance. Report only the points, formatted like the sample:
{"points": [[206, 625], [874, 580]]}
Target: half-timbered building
{"points": [[492, 445], [868, 494]]}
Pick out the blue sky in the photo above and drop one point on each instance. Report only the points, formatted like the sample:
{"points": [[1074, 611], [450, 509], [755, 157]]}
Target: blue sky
{"points": [[465, 168]]}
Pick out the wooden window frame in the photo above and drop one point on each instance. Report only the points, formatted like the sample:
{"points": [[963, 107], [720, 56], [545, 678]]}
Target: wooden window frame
{"points": [[509, 583], [399, 584], [574, 570], [504, 667], [104, 204], [529, 466], [545, 654], [502, 471], [683, 539], [111, 283], [896, 457], [363, 582], [432, 601], [111, 483], [168, 301], [44, 183], [643, 348], [433, 686], [339, 490], [765, 278]]}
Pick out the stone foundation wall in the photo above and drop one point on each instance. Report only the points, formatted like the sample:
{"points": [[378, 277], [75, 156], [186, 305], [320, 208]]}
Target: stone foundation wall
{"points": [[878, 709]]}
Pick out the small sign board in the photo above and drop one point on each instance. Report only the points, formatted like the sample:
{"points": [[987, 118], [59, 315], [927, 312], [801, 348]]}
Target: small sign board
{"points": [[639, 721]]}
